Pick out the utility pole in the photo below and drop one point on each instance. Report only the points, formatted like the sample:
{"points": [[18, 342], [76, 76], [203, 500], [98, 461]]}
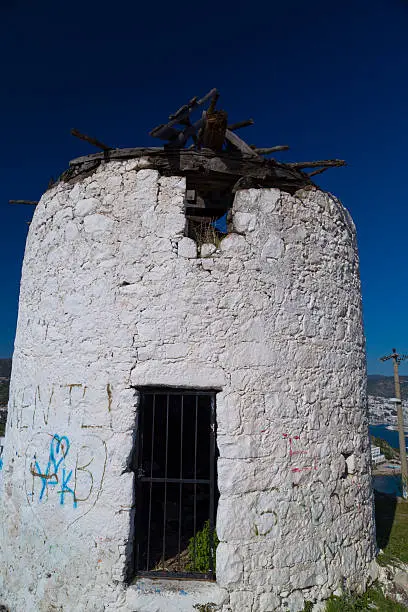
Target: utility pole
{"points": [[403, 452]]}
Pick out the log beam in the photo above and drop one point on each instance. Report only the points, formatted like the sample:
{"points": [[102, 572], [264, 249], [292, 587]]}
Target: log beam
{"points": [[328, 163], [29, 202], [240, 124], [320, 171], [92, 141], [162, 131], [268, 150], [239, 144]]}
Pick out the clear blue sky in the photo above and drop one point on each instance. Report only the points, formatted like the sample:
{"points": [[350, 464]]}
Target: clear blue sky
{"points": [[327, 78]]}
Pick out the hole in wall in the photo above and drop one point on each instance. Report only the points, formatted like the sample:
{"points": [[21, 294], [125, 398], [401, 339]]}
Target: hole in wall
{"points": [[348, 465], [208, 203]]}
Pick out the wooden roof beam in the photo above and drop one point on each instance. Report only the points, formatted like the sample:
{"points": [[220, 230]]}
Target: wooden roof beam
{"points": [[268, 150], [327, 163], [240, 124], [239, 144], [165, 131], [92, 141], [29, 202]]}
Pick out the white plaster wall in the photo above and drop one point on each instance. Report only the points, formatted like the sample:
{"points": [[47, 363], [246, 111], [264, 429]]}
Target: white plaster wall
{"points": [[112, 298]]}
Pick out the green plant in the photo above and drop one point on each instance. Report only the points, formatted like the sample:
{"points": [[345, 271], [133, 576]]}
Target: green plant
{"points": [[199, 550], [204, 232], [207, 607], [391, 517], [349, 602], [372, 599], [386, 449], [308, 606]]}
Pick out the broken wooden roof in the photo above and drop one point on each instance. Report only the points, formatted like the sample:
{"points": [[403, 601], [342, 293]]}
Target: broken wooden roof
{"points": [[206, 147]]}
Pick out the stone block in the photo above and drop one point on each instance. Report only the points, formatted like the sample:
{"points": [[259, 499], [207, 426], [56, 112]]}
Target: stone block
{"points": [[97, 223], [187, 248], [269, 602], [244, 222], [86, 207], [273, 248], [207, 250], [233, 244], [241, 600], [230, 565]]}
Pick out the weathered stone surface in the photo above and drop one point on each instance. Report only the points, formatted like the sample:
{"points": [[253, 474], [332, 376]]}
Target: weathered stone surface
{"points": [[84, 207], [172, 596], [187, 248], [244, 222], [206, 250], [113, 297]]}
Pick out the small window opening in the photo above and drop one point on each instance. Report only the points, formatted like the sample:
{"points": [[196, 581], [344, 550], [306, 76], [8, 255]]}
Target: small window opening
{"points": [[347, 462], [176, 494], [207, 206]]}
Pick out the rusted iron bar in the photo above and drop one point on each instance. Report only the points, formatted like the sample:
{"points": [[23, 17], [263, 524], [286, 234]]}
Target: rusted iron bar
{"points": [[92, 141]]}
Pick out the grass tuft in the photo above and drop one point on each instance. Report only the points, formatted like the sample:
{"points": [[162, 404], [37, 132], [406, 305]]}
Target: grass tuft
{"points": [[372, 599]]}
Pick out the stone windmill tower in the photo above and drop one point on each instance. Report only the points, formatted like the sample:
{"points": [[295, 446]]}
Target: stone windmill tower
{"points": [[187, 422]]}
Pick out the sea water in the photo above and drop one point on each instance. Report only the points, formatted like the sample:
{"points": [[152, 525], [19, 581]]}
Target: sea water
{"points": [[387, 484]]}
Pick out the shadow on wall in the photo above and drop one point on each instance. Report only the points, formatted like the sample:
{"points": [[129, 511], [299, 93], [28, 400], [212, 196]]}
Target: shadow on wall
{"points": [[385, 509]]}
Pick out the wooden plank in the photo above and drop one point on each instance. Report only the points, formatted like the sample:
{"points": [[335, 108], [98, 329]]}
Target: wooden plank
{"points": [[182, 137], [240, 124], [316, 172], [214, 100], [29, 202], [239, 144], [182, 114], [92, 141], [127, 153], [207, 96], [184, 109], [267, 150], [203, 163], [165, 132], [329, 163]]}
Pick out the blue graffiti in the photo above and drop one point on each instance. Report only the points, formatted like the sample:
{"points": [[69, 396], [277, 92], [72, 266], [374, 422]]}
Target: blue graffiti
{"points": [[53, 475], [1, 464]]}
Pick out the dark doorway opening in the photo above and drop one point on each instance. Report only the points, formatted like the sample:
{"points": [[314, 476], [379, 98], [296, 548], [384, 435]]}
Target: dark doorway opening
{"points": [[176, 493]]}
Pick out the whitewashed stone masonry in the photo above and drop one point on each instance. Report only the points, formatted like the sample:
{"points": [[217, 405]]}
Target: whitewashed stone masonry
{"points": [[113, 297]]}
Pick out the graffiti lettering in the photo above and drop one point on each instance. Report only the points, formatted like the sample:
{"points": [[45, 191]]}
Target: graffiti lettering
{"points": [[34, 407], [59, 449], [71, 476]]}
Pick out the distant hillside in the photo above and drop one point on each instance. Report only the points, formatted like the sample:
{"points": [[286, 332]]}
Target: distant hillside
{"points": [[5, 368], [383, 386]]}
